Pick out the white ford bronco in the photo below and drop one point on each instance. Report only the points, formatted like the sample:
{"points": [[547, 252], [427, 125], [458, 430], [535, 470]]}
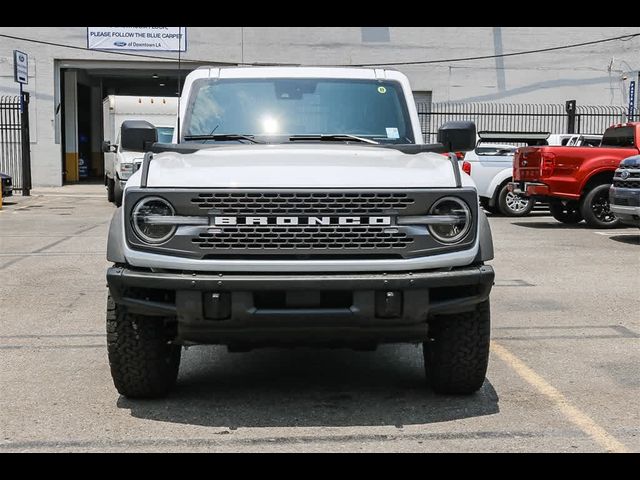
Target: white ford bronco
{"points": [[299, 206]]}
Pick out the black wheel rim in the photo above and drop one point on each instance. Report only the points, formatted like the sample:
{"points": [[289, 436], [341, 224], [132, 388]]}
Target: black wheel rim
{"points": [[600, 207]]}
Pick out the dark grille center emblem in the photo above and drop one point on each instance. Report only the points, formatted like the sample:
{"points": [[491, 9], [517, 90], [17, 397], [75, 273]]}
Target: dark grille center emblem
{"points": [[625, 174]]}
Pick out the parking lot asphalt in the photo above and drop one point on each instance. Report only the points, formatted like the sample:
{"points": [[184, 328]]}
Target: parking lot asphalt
{"points": [[564, 373]]}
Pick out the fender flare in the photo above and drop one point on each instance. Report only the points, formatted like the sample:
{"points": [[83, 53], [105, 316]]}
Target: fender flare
{"points": [[602, 170], [115, 242], [485, 239], [498, 180]]}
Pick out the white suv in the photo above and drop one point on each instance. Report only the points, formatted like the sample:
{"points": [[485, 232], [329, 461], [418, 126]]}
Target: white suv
{"points": [[299, 206], [490, 166]]}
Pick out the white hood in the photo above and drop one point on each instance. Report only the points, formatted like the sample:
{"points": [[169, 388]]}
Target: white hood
{"points": [[299, 166]]}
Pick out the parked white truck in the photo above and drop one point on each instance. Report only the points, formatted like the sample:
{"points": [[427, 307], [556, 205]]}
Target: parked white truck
{"points": [[299, 206], [119, 161]]}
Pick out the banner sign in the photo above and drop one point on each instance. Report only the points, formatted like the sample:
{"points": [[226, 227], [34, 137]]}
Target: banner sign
{"points": [[158, 39]]}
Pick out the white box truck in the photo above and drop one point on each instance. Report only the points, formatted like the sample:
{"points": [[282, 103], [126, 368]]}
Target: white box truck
{"points": [[119, 162]]}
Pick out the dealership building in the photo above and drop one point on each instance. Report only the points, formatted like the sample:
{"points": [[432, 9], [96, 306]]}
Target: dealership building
{"points": [[72, 69]]}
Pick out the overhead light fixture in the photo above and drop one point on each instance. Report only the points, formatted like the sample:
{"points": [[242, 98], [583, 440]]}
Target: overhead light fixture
{"points": [[162, 84], [155, 75]]}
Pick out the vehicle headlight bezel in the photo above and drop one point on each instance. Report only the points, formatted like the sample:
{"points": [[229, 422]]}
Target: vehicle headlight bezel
{"points": [[125, 170], [462, 233], [137, 213]]}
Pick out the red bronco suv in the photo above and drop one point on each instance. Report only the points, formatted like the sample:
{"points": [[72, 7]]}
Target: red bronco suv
{"points": [[575, 181]]}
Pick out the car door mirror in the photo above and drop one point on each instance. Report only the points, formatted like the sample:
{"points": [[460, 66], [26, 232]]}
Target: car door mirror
{"points": [[458, 136], [135, 135]]}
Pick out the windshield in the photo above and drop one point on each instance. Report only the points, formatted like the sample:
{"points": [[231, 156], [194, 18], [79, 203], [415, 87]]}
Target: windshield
{"points": [[165, 134], [280, 108]]}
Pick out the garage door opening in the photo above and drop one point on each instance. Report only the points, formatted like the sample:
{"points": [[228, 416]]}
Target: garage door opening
{"points": [[82, 91]]}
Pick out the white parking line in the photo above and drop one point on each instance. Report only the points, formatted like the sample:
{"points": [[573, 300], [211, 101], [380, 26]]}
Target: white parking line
{"points": [[618, 233], [572, 413]]}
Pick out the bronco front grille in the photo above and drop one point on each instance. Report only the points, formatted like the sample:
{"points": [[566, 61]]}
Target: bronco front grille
{"points": [[314, 238], [329, 236], [303, 203]]}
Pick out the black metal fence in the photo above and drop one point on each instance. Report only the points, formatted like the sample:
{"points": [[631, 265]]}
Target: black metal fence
{"points": [[521, 117], [15, 151]]}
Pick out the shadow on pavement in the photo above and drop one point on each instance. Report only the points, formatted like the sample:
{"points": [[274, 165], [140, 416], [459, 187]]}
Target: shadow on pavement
{"points": [[552, 224], [630, 239], [308, 387], [532, 214]]}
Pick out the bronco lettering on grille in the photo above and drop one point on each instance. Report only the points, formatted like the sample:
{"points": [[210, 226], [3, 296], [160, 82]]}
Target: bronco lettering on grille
{"points": [[289, 220]]}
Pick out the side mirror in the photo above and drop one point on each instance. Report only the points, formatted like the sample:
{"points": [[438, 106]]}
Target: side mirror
{"points": [[106, 146], [136, 134], [458, 136]]}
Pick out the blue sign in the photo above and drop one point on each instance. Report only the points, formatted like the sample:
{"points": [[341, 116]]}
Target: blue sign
{"points": [[632, 99]]}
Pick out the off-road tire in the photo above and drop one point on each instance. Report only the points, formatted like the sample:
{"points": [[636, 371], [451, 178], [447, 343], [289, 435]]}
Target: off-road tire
{"points": [[143, 362], [566, 212], [457, 352], [110, 192], [117, 194], [594, 208], [503, 204]]}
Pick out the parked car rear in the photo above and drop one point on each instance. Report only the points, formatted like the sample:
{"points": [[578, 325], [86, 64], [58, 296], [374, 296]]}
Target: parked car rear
{"points": [[490, 166]]}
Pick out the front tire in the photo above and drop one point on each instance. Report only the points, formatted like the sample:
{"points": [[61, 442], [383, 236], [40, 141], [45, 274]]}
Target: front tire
{"points": [[117, 194], [110, 188], [144, 364], [513, 205], [457, 352], [565, 211], [595, 208]]}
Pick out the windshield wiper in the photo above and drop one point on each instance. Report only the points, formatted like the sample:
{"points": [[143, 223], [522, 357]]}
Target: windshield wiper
{"points": [[223, 137], [332, 138]]}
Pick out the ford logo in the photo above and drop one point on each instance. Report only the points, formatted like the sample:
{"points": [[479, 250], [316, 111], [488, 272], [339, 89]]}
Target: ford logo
{"points": [[625, 174], [120, 44]]}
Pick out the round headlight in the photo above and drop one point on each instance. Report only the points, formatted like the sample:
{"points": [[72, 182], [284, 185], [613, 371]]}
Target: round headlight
{"points": [[454, 222], [149, 231]]}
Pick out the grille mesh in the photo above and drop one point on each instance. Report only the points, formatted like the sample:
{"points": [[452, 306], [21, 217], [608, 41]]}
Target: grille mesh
{"points": [[626, 184], [292, 203], [294, 238]]}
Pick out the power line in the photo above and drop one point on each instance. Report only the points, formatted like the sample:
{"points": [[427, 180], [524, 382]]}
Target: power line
{"points": [[484, 57], [377, 64]]}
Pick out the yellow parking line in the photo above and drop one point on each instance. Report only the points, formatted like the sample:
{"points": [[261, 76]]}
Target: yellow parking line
{"points": [[572, 413]]}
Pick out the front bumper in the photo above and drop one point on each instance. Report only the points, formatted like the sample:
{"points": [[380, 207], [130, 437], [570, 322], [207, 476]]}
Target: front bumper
{"points": [[235, 309], [625, 204], [529, 189]]}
